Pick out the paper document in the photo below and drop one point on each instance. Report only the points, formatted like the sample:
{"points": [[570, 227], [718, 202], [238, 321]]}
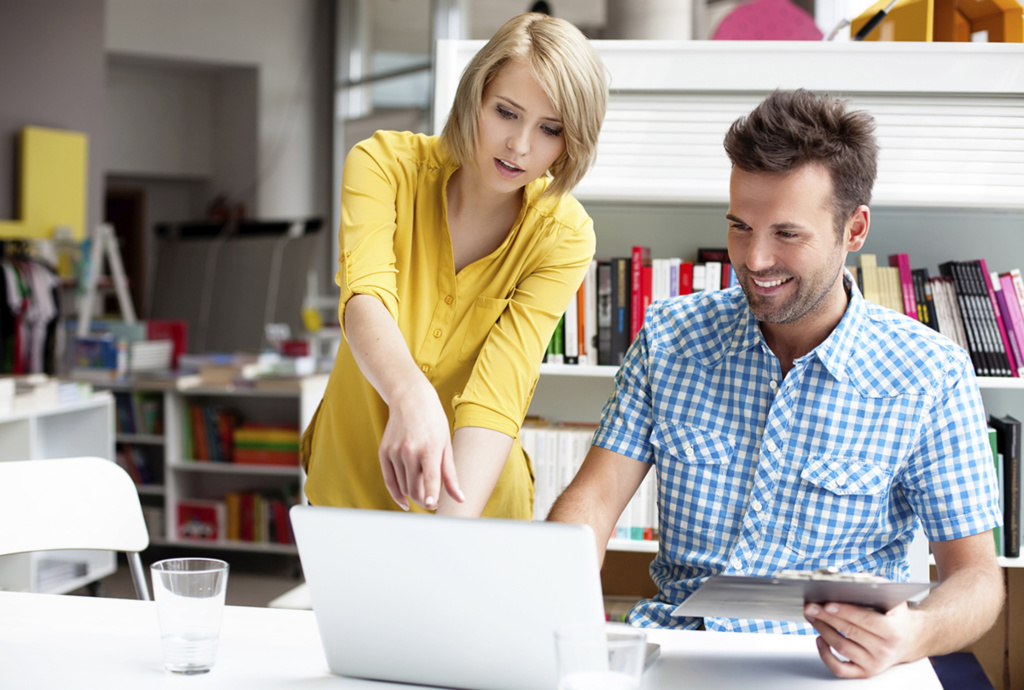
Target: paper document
{"points": [[782, 598]]}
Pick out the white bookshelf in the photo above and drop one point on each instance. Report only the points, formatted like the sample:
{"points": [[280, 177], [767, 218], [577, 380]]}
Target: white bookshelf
{"points": [[84, 428], [184, 478]]}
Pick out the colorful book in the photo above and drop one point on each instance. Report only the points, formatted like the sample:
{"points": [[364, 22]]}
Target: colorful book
{"points": [[1002, 345]]}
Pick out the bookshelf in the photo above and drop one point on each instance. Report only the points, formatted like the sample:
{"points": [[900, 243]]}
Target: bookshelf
{"points": [[178, 476], [83, 428]]}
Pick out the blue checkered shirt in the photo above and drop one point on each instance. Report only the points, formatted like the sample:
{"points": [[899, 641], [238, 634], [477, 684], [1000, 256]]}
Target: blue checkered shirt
{"points": [[878, 427]]}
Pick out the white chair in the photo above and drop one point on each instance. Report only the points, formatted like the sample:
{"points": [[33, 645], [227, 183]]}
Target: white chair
{"points": [[72, 503]]}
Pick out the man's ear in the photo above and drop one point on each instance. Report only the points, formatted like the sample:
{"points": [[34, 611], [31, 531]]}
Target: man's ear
{"points": [[857, 228]]}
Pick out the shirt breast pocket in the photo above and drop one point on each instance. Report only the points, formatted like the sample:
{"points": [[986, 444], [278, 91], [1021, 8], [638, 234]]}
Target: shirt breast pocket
{"points": [[695, 465], [840, 503], [478, 324]]}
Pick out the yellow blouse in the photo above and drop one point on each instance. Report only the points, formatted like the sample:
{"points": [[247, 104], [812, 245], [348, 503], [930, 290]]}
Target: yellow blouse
{"points": [[479, 335]]}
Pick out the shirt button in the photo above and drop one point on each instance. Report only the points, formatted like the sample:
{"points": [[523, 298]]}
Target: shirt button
{"points": [[756, 505], [736, 563], [437, 333], [690, 452], [425, 368], [449, 299], [770, 445], [773, 385], [841, 479]]}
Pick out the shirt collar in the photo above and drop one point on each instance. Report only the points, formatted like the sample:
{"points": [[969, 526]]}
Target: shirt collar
{"points": [[834, 352]]}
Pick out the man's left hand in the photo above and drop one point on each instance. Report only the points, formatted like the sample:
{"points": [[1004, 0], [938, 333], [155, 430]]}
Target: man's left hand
{"points": [[856, 642]]}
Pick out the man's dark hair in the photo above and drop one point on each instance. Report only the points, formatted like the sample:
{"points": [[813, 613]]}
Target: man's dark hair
{"points": [[791, 129]]}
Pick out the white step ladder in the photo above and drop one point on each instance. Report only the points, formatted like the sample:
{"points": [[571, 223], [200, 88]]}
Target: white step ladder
{"points": [[104, 243]]}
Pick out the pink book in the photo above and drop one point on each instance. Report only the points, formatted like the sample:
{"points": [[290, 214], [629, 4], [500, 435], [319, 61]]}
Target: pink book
{"points": [[902, 262], [1016, 321]]}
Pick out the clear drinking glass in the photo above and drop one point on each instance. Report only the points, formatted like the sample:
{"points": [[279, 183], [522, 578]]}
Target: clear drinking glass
{"points": [[600, 656], [189, 594]]}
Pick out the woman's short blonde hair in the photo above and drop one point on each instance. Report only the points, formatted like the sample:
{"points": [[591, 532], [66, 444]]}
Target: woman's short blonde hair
{"points": [[568, 69]]}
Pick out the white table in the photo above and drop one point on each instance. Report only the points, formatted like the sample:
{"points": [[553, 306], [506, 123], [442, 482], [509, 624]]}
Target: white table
{"points": [[54, 641]]}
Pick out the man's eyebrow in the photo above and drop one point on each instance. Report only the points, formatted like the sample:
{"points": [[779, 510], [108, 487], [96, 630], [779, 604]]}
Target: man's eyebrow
{"points": [[516, 105], [785, 225]]}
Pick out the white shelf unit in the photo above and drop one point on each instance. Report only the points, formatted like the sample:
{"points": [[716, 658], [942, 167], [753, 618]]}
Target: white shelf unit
{"points": [[951, 170], [83, 428], [187, 478]]}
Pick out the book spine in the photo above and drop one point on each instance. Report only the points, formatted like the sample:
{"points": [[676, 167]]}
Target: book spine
{"points": [[1013, 349], [570, 338], [975, 347], [604, 313], [1003, 352], [638, 257], [621, 307], [588, 308], [686, 278], [901, 262], [1015, 324]]}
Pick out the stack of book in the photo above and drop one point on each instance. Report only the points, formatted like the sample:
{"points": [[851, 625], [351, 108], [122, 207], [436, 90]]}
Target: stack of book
{"points": [[207, 432], [259, 444], [139, 413]]}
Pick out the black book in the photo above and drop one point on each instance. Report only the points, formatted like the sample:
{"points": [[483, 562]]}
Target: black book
{"points": [[980, 283], [604, 312], [925, 300], [1008, 441], [975, 346], [621, 336]]}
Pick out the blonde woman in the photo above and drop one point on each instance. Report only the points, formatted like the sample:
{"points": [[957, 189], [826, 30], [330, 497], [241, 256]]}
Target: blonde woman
{"points": [[459, 253]]}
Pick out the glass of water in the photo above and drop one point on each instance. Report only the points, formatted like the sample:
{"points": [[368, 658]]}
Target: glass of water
{"points": [[600, 656], [189, 595]]}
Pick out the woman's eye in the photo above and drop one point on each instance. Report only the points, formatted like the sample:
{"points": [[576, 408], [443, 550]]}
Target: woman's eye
{"points": [[551, 131], [505, 113]]}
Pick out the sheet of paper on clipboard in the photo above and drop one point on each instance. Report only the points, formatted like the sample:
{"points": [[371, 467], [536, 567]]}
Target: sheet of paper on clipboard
{"points": [[782, 597]]}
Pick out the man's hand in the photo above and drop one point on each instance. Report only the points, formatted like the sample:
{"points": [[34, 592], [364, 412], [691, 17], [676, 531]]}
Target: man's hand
{"points": [[856, 642], [416, 450]]}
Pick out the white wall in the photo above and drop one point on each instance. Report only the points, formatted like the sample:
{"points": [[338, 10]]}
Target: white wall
{"points": [[283, 39]]}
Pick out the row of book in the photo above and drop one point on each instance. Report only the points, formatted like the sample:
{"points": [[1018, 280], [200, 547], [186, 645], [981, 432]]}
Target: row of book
{"points": [[246, 516], [981, 310], [599, 325], [139, 413], [557, 451], [1005, 437], [215, 433]]}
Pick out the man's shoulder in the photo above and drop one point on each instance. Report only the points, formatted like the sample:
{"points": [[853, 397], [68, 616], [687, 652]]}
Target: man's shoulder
{"points": [[909, 352], [699, 325]]}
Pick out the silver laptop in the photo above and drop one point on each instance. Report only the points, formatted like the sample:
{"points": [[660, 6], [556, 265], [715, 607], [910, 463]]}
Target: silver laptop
{"points": [[451, 602]]}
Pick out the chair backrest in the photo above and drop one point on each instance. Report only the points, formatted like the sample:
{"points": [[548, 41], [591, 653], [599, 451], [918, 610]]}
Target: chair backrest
{"points": [[71, 503]]}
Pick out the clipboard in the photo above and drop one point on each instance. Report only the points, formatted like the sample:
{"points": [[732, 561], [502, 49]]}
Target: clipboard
{"points": [[782, 597]]}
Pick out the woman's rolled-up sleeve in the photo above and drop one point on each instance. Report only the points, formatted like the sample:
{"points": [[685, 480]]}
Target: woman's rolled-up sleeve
{"points": [[366, 264]]}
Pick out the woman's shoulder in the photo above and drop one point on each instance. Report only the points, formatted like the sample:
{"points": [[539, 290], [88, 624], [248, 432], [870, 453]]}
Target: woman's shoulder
{"points": [[409, 147], [565, 210]]}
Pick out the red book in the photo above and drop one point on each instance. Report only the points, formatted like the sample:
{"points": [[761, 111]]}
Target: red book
{"points": [[174, 330], [686, 278], [902, 262], [200, 520], [640, 256]]}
